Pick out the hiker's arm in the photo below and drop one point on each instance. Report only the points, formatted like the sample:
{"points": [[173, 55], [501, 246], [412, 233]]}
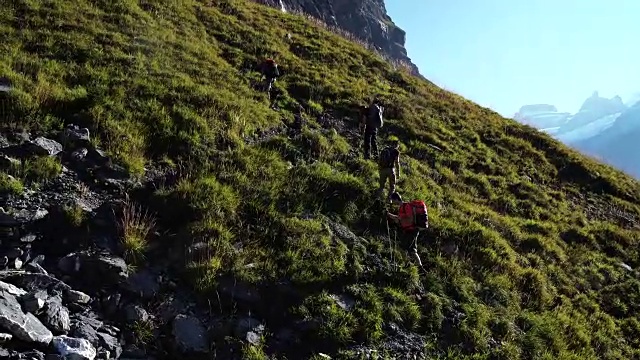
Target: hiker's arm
{"points": [[397, 164]]}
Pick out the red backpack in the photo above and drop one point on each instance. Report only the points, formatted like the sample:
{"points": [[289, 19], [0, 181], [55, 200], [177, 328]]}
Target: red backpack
{"points": [[420, 214], [414, 215]]}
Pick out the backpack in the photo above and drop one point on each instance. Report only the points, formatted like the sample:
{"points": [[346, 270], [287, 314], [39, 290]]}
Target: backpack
{"points": [[420, 214], [387, 157], [375, 116], [271, 68]]}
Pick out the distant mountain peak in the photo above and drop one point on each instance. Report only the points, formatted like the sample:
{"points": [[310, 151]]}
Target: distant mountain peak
{"points": [[603, 105]]}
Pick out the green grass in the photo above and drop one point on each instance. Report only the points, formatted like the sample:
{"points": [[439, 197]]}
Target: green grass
{"points": [[35, 170], [541, 230], [10, 185]]}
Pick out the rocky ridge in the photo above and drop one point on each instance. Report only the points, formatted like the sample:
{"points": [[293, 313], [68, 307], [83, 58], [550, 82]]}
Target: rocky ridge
{"points": [[367, 20]]}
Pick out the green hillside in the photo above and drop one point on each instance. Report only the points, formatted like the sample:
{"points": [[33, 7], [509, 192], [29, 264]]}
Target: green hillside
{"points": [[541, 231]]}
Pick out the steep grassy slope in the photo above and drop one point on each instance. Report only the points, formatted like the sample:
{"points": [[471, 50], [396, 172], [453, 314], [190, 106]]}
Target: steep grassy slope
{"points": [[541, 230]]}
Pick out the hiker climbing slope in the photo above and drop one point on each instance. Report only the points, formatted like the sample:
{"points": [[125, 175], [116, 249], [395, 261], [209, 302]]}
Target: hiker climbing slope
{"points": [[412, 218], [389, 166], [270, 72], [371, 123]]}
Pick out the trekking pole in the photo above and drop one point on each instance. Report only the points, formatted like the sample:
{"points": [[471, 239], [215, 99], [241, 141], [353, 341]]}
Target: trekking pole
{"points": [[390, 246]]}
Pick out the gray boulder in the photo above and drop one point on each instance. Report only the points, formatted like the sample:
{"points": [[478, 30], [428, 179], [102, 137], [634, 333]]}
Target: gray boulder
{"points": [[74, 349], [29, 215], [31, 355], [189, 334], [35, 282], [57, 316], [12, 289], [72, 133], [35, 268], [135, 313], [34, 301], [69, 264], [86, 327], [144, 284], [44, 147], [76, 297], [25, 327], [110, 269]]}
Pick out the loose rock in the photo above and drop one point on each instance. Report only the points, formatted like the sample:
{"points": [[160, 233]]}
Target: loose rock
{"points": [[189, 334], [135, 313], [86, 327], [143, 284], [34, 301], [43, 146], [250, 330], [77, 297], [25, 327], [35, 268], [57, 316], [12, 289], [73, 348]]}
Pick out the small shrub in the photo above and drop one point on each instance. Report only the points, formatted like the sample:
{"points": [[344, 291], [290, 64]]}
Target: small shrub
{"points": [[10, 185], [433, 316], [42, 168], [74, 214], [252, 352], [143, 332]]}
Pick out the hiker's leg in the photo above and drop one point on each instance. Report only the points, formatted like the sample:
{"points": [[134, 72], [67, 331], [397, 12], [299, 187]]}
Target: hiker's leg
{"points": [[367, 143], [384, 174], [392, 181], [269, 87], [374, 142]]}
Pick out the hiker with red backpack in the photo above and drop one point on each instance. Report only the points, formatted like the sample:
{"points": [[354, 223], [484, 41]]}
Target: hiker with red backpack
{"points": [[389, 166], [270, 72], [412, 218], [371, 123]]}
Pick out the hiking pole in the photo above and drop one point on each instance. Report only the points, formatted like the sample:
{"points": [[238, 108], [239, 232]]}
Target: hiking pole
{"points": [[390, 246]]}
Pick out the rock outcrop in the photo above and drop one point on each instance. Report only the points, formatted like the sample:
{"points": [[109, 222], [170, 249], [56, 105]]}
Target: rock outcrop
{"points": [[367, 20]]}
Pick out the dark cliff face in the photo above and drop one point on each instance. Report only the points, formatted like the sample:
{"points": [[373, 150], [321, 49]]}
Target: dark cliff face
{"points": [[366, 19]]}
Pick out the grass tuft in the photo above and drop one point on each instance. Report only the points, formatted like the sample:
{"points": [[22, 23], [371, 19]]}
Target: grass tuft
{"points": [[136, 226]]}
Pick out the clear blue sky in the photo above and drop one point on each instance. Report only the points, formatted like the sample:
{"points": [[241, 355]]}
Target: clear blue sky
{"points": [[507, 53]]}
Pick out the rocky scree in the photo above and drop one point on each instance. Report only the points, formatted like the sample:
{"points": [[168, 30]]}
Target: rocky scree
{"points": [[65, 289]]}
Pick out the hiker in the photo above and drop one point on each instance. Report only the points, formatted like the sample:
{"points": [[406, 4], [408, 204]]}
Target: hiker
{"points": [[371, 122], [298, 122], [389, 166], [270, 72], [412, 218]]}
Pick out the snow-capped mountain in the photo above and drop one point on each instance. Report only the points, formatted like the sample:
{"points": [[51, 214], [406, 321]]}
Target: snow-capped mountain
{"points": [[541, 116], [608, 129], [619, 144]]}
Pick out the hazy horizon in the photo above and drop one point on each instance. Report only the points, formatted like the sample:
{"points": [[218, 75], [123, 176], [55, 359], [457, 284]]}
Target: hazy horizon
{"points": [[504, 55]]}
